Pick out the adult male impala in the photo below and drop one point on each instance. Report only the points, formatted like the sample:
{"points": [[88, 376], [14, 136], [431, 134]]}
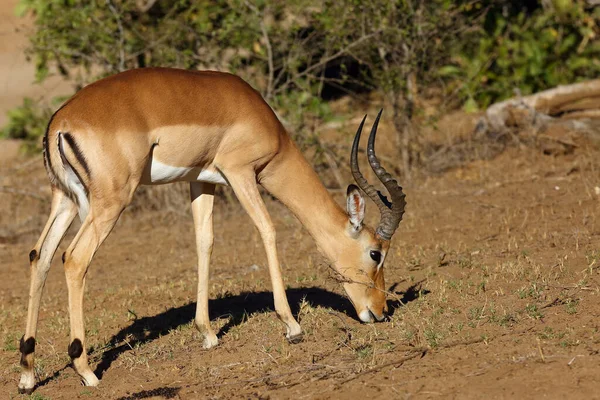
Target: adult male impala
{"points": [[157, 125]]}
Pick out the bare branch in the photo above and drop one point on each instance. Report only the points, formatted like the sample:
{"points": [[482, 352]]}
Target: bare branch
{"points": [[326, 60], [144, 7], [265, 34], [114, 11]]}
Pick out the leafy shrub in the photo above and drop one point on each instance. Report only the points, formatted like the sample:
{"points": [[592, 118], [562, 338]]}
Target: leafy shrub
{"points": [[27, 122], [528, 50], [300, 53]]}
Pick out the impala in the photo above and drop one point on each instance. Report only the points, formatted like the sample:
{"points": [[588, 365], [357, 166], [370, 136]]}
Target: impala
{"points": [[158, 125]]}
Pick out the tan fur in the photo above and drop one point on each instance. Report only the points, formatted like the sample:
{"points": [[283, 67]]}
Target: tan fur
{"points": [[208, 120]]}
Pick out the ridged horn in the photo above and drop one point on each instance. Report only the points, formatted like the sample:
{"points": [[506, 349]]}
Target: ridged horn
{"points": [[391, 213]]}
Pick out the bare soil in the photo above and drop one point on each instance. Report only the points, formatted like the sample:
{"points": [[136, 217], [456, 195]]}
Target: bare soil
{"points": [[493, 277], [493, 274]]}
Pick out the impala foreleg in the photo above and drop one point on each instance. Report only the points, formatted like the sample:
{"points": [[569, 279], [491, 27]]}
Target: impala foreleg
{"points": [[94, 230], [246, 190], [202, 195], [61, 215]]}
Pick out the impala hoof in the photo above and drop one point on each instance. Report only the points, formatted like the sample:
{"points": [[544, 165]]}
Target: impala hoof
{"points": [[27, 382], [295, 339], [90, 379], [25, 391], [210, 341]]}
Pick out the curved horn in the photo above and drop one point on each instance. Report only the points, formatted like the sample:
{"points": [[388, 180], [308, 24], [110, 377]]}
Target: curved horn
{"points": [[361, 181], [392, 215]]}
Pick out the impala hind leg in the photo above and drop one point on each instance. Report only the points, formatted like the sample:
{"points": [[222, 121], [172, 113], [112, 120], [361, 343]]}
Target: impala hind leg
{"points": [[62, 212], [98, 224], [202, 196], [245, 188]]}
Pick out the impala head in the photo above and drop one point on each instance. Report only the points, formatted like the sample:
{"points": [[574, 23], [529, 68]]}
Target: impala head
{"points": [[361, 264]]}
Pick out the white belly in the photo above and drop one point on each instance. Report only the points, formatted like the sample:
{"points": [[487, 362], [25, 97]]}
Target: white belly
{"points": [[162, 173]]}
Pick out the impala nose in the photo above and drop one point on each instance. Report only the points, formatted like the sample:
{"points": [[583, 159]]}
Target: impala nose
{"points": [[366, 316], [369, 316]]}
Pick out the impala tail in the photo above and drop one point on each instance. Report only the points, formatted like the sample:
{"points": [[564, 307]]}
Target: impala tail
{"points": [[66, 166]]}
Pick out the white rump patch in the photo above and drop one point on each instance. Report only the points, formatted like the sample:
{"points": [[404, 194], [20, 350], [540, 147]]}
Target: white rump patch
{"points": [[73, 183], [163, 173]]}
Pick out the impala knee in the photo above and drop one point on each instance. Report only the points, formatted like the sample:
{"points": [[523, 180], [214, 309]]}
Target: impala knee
{"points": [[75, 349], [205, 244], [74, 270]]}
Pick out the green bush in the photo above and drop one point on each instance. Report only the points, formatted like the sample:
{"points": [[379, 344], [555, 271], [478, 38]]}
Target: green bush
{"points": [[28, 122], [298, 52], [292, 51], [528, 50], [281, 48]]}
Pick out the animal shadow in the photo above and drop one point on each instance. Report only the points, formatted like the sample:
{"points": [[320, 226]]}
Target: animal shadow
{"points": [[164, 392], [412, 293], [237, 307]]}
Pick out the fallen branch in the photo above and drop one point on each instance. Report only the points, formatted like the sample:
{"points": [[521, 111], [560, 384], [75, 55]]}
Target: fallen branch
{"points": [[579, 100]]}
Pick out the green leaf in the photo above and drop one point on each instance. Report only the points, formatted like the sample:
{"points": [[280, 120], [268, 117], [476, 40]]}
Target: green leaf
{"points": [[449, 70], [470, 105]]}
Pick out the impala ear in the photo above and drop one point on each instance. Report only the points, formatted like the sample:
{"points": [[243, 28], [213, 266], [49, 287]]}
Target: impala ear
{"points": [[355, 205]]}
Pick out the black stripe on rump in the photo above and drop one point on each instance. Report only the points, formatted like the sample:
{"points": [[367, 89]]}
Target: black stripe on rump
{"points": [[78, 154], [47, 162]]}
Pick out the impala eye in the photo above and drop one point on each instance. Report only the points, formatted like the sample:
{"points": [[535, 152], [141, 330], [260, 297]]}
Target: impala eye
{"points": [[375, 256]]}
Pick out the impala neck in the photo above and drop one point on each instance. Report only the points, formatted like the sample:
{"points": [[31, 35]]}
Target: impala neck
{"points": [[291, 179]]}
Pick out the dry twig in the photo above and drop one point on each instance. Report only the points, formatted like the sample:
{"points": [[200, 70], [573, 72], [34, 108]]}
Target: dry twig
{"points": [[12, 190]]}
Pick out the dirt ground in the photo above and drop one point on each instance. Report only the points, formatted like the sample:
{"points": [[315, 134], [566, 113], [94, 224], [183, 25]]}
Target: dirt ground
{"points": [[494, 270], [493, 273]]}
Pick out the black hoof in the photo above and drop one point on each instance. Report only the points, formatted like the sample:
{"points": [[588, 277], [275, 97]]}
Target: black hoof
{"points": [[25, 391], [296, 338]]}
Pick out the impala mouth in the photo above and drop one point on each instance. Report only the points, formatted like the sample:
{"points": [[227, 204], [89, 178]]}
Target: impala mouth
{"points": [[379, 318]]}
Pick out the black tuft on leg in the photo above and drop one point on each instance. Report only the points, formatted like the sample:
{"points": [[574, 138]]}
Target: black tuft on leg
{"points": [[63, 256], [26, 347], [75, 349], [32, 255]]}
